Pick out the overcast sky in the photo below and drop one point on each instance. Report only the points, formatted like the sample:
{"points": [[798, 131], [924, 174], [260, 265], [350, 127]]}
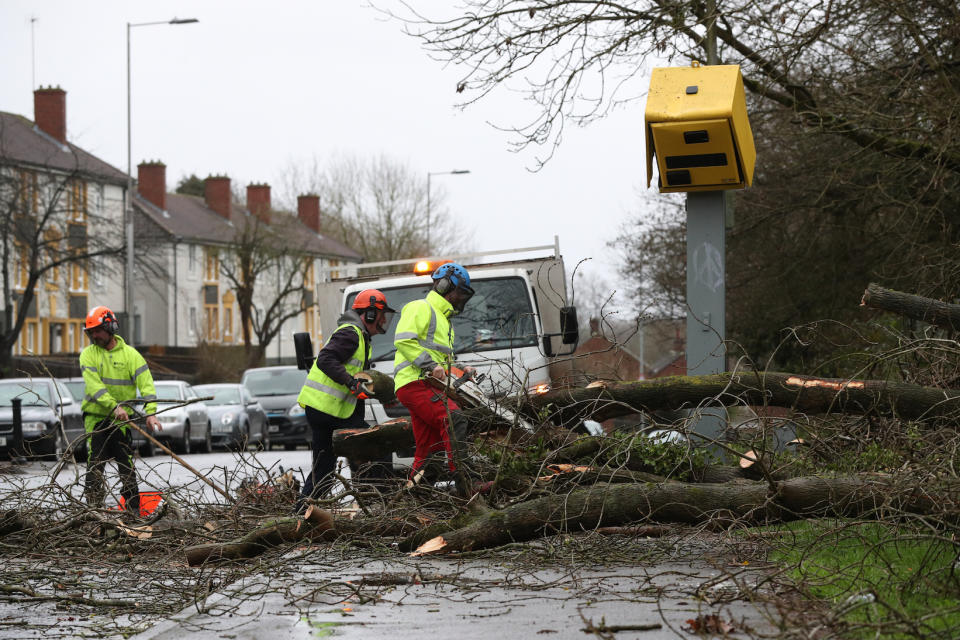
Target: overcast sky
{"points": [[255, 86]]}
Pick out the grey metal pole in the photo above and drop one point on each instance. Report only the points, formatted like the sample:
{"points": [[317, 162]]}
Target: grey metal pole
{"points": [[428, 212], [128, 213], [711, 43], [706, 296]]}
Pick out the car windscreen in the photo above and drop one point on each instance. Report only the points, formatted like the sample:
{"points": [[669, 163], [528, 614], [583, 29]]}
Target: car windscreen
{"points": [[30, 394], [221, 395], [274, 382], [168, 392], [498, 316], [77, 388]]}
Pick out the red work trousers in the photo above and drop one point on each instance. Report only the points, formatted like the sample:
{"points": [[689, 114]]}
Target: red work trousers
{"points": [[429, 410]]}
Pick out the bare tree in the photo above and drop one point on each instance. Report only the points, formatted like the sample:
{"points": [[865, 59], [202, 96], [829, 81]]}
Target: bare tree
{"points": [[853, 106], [265, 265], [835, 63], [378, 207]]}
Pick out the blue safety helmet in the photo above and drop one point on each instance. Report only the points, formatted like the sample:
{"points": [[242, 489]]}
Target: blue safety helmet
{"points": [[453, 277], [457, 275]]}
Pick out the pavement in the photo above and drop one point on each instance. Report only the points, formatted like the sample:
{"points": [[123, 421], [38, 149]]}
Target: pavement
{"points": [[505, 594]]}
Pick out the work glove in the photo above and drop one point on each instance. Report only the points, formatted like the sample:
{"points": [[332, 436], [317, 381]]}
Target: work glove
{"points": [[358, 389]]}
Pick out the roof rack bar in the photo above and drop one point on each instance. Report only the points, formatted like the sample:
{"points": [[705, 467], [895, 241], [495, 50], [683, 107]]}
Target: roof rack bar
{"points": [[354, 267]]}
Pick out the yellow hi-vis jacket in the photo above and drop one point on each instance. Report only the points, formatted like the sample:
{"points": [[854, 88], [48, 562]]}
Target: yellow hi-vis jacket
{"points": [[112, 377], [328, 396], [424, 338]]}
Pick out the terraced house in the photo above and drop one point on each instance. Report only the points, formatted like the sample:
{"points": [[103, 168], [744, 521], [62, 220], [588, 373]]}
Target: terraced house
{"points": [[208, 268], [216, 266]]}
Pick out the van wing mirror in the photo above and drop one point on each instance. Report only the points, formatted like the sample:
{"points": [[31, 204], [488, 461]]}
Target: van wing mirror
{"points": [[569, 333], [304, 348], [569, 327]]}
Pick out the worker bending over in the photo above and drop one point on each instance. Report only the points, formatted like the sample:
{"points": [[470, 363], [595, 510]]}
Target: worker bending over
{"points": [[332, 396]]}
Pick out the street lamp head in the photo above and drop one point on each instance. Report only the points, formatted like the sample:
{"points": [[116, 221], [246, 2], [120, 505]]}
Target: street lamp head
{"points": [[458, 172], [183, 21]]}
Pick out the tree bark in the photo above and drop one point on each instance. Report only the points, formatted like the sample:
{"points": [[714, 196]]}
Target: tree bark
{"points": [[807, 394], [365, 445], [937, 313], [755, 503], [313, 525]]}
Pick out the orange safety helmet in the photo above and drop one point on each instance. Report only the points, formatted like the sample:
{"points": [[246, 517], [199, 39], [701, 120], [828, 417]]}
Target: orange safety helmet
{"points": [[102, 317], [369, 301]]}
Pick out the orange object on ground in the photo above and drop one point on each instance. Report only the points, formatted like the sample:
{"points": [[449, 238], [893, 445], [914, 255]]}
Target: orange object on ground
{"points": [[149, 501]]}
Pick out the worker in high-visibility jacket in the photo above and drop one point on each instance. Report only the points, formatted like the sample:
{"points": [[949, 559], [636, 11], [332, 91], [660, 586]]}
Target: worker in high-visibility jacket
{"points": [[113, 373], [424, 342], [332, 395]]}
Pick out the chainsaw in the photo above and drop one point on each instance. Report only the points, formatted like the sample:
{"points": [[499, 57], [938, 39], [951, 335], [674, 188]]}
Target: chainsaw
{"points": [[465, 390]]}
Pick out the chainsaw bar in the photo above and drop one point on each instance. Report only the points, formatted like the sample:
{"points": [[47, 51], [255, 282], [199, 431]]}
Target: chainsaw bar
{"points": [[467, 393]]}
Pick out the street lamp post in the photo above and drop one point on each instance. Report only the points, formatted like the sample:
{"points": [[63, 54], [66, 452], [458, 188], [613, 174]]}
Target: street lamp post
{"points": [[128, 200], [455, 172]]}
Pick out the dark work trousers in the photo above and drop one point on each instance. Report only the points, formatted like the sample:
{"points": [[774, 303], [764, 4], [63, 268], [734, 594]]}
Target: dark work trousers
{"points": [[320, 480], [109, 442]]}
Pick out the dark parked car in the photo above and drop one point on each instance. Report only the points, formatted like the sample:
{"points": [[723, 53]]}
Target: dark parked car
{"points": [[236, 417], [277, 389], [45, 405]]}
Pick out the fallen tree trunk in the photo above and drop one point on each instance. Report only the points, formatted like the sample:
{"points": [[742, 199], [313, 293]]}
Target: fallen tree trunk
{"points": [[364, 445], [755, 503], [807, 394], [313, 525], [935, 312]]}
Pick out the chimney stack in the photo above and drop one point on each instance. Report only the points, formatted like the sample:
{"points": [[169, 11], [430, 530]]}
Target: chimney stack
{"points": [[152, 182], [216, 193], [258, 201], [50, 111], [308, 210]]}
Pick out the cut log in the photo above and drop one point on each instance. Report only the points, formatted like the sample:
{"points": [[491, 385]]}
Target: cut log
{"points": [[312, 526], [754, 503], [935, 312], [381, 385], [807, 394], [365, 445]]}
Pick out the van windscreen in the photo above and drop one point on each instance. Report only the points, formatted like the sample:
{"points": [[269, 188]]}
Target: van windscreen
{"points": [[498, 316]]}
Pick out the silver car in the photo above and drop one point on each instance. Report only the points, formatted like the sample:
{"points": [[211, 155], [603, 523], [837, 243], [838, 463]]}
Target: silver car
{"points": [[186, 425], [237, 417]]}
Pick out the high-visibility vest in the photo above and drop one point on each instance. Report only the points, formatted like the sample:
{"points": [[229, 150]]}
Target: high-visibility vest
{"points": [[326, 395], [424, 338], [113, 377]]}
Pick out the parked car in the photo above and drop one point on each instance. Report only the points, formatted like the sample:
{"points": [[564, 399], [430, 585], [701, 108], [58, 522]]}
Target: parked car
{"points": [[277, 389], [78, 387], [187, 428], [45, 405], [237, 417]]}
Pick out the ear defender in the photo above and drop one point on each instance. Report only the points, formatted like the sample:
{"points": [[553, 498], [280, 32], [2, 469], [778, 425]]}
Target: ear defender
{"points": [[444, 285]]}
